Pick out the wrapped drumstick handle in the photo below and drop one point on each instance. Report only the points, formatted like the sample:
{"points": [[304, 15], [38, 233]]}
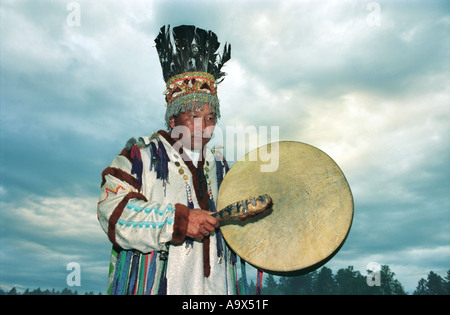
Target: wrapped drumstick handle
{"points": [[245, 209]]}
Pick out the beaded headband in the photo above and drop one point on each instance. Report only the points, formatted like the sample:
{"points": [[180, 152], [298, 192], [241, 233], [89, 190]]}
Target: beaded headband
{"points": [[188, 83]]}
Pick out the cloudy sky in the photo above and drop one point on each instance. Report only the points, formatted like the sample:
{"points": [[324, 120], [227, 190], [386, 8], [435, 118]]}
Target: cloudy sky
{"points": [[366, 82]]}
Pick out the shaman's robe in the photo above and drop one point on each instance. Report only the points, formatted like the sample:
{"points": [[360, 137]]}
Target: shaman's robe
{"points": [[146, 194]]}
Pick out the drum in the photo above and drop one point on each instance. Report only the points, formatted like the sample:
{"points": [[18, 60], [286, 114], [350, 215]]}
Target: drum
{"points": [[312, 207]]}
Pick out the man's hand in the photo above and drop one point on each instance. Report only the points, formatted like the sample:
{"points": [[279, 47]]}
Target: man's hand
{"points": [[200, 223]]}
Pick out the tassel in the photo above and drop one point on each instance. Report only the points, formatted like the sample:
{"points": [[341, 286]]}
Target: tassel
{"points": [[143, 268], [259, 278], [233, 258], [163, 286], [139, 290], [226, 268], [119, 267], [122, 278], [163, 280], [163, 254], [227, 168], [219, 244], [151, 274], [233, 261], [153, 156], [162, 167], [236, 279], [132, 283], [159, 161], [244, 277], [136, 167]]}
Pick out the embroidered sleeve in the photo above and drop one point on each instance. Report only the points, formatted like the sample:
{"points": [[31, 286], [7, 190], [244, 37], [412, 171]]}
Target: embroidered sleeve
{"points": [[129, 219]]}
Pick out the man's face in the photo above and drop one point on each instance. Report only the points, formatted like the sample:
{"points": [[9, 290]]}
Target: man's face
{"points": [[196, 128]]}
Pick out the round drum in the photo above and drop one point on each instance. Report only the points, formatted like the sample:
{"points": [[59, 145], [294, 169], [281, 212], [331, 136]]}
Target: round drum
{"points": [[312, 211]]}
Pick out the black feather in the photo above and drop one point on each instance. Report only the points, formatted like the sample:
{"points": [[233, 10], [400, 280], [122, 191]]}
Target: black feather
{"points": [[194, 49], [165, 51]]}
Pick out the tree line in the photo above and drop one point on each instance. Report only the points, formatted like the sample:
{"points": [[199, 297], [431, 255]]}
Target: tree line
{"points": [[38, 291], [319, 282], [350, 282]]}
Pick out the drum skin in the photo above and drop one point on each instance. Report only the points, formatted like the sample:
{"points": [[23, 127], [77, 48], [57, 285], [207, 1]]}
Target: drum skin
{"points": [[312, 212]]}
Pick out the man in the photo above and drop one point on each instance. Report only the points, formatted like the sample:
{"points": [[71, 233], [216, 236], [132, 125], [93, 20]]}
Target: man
{"points": [[158, 193]]}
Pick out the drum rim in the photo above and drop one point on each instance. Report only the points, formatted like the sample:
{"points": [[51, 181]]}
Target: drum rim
{"points": [[332, 252]]}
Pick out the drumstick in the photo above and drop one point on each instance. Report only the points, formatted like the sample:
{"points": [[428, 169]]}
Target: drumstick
{"points": [[245, 209]]}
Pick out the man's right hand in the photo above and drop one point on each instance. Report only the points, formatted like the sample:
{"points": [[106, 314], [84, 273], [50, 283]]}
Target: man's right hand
{"points": [[200, 224]]}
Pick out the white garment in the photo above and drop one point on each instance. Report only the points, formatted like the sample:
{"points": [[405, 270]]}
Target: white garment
{"points": [[147, 225], [194, 155]]}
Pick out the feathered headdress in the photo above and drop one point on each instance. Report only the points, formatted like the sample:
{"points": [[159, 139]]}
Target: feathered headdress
{"points": [[191, 67]]}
